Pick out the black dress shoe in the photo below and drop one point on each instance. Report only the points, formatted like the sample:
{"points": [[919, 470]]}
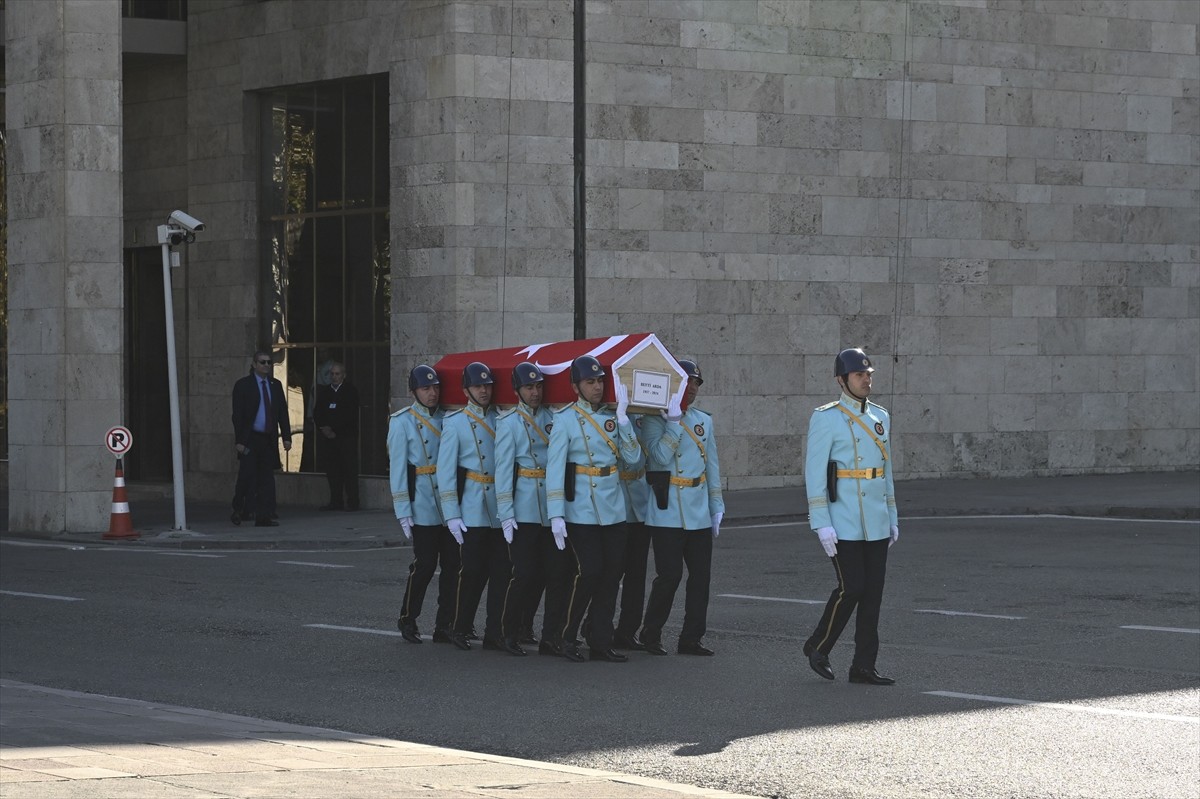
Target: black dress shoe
{"points": [[608, 655], [441, 637], [236, 518], [472, 636], [622, 641], [820, 664], [459, 640], [330, 506], [409, 632], [654, 647], [693, 648], [265, 523], [570, 651], [528, 639], [502, 645], [869, 677]]}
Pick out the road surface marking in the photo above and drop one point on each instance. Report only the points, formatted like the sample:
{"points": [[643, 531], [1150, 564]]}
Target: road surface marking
{"points": [[186, 554], [965, 613], [319, 565], [1161, 629], [392, 633], [1052, 516], [44, 596], [1104, 711], [776, 599]]}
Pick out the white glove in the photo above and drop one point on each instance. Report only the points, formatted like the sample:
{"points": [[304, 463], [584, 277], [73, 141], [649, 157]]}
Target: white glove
{"points": [[406, 526], [509, 525], [558, 527], [622, 395], [675, 404], [716, 522], [828, 538], [895, 535], [457, 528]]}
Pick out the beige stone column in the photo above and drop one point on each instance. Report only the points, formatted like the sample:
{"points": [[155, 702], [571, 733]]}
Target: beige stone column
{"points": [[65, 268]]}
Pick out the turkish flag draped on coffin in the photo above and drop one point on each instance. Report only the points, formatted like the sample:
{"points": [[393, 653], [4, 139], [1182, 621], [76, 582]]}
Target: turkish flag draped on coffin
{"points": [[639, 360]]}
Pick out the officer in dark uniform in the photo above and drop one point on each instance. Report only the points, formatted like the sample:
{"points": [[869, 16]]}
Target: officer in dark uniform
{"points": [[852, 509]]}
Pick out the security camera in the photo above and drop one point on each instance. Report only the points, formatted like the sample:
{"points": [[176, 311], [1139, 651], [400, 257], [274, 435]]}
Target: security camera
{"points": [[190, 223]]}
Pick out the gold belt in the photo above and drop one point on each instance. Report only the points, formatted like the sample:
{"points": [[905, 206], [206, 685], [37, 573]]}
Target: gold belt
{"points": [[595, 471], [430, 469], [627, 476], [480, 477], [687, 482], [862, 474], [521, 472]]}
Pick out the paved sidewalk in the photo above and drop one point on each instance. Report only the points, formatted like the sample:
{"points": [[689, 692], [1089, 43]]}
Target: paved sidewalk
{"points": [[66, 744], [1166, 495]]}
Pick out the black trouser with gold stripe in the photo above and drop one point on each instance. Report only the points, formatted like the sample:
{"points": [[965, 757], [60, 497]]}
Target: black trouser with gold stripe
{"points": [[600, 559], [472, 575], [633, 582], [431, 544], [511, 568], [558, 573], [860, 568], [672, 549]]}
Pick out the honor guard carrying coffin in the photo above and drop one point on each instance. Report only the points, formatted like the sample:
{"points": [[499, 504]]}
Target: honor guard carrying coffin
{"points": [[522, 438], [466, 479], [684, 515], [589, 446], [414, 436], [852, 509]]}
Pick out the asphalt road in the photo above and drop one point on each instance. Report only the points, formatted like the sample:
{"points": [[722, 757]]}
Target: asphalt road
{"points": [[1035, 657]]}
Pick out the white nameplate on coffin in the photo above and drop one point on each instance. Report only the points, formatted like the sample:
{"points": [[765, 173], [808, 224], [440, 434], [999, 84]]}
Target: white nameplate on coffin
{"points": [[652, 389]]}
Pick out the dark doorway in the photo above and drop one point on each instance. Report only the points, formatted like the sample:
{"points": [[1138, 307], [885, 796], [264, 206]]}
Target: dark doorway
{"points": [[149, 416]]}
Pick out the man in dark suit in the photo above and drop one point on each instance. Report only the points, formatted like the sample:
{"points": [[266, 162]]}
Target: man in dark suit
{"points": [[335, 414], [257, 427]]}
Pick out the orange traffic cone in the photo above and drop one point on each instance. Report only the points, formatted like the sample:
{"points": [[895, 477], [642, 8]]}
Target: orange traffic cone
{"points": [[120, 524]]}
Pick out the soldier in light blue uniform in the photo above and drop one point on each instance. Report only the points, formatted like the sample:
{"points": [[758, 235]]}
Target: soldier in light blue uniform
{"points": [[414, 438], [681, 458], [589, 447], [522, 438], [852, 508], [467, 464]]}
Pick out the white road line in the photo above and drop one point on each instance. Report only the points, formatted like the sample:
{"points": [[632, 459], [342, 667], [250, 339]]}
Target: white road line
{"points": [[1104, 711], [1051, 516], [353, 629], [775, 599], [186, 554], [44, 596], [965, 613], [1161, 629], [319, 565]]}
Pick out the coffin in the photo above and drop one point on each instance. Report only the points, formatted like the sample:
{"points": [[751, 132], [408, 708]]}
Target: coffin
{"points": [[639, 360]]}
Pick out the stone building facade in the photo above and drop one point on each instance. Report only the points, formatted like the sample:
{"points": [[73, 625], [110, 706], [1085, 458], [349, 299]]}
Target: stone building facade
{"points": [[998, 199]]}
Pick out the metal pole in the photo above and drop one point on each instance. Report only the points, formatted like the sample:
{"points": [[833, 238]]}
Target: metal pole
{"points": [[173, 385], [580, 183]]}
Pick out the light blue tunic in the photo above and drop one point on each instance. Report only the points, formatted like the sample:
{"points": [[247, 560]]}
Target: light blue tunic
{"points": [[522, 438], [469, 441], [577, 438], [687, 451], [866, 507], [414, 437], [633, 480]]}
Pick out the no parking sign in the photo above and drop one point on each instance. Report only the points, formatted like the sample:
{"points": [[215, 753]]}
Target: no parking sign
{"points": [[118, 440]]}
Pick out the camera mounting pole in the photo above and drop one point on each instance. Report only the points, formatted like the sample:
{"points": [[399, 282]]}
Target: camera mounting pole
{"points": [[180, 229]]}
